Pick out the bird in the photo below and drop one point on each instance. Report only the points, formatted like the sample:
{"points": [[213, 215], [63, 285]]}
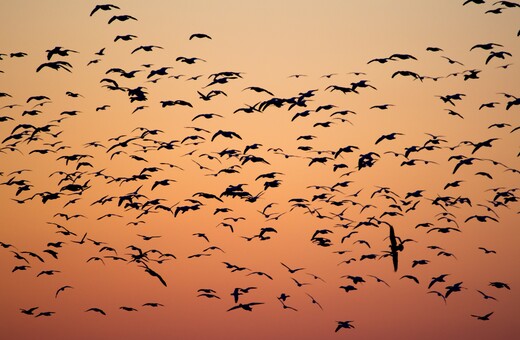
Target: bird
{"points": [[439, 294], [407, 74], [402, 56], [379, 280], [480, 218], [59, 51], [260, 274], [499, 55], [380, 60], [453, 113], [298, 283], [487, 251], [55, 65], [411, 277], [123, 17], [348, 288], [126, 37], [128, 309], [482, 317], [199, 36], [290, 270], [390, 136], [227, 134], [106, 7], [209, 295], [478, 2], [495, 10], [453, 288], [485, 46], [258, 90], [381, 107], [17, 54], [97, 310], [153, 273], [48, 272], [451, 61], [190, 61], [46, 313], [344, 324], [61, 289], [206, 116], [498, 284], [395, 248], [437, 279], [508, 4], [245, 306], [146, 48], [313, 301], [485, 296], [28, 311]]}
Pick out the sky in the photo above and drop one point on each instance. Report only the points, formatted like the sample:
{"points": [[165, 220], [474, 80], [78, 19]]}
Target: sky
{"points": [[268, 169]]}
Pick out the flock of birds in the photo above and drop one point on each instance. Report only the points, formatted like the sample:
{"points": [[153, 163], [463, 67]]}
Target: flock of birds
{"points": [[343, 210]]}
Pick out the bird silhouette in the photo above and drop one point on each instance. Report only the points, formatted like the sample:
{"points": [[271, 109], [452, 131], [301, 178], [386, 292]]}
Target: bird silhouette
{"points": [[153, 273], [97, 310], [61, 289], [46, 313], [106, 7], [498, 284], [481, 218], [59, 51], [482, 317], [29, 311], [128, 309], [485, 296], [123, 17], [227, 134], [146, 48], [437, 279], [453, 288], [344, 324], [487, 251], [498, 55], [245, 306], [153, 304], [199, 36], [55, 65]]}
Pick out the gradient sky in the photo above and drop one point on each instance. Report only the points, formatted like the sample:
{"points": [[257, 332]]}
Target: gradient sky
{"points": [[267, 42]]}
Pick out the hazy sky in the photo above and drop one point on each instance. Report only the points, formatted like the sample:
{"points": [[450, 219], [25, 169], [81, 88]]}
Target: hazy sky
{"points": [[304, 201]]}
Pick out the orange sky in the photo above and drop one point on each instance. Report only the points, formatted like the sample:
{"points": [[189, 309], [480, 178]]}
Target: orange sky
{"points": [[266, 42]]}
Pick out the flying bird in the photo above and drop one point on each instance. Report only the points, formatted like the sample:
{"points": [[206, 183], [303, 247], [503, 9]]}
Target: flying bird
{"points": [[226, 134], [199, 36], [61, 289], [106, 7], [97, 310], [482, 317], [123, 17], [344, 324], [245, 306], [55, 65]]}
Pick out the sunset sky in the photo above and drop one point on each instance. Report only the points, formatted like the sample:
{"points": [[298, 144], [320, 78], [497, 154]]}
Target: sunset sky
{"points": [[297, 89]]}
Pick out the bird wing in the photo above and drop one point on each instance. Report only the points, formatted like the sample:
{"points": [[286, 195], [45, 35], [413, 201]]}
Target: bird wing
{"points": [[218, 133]]}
